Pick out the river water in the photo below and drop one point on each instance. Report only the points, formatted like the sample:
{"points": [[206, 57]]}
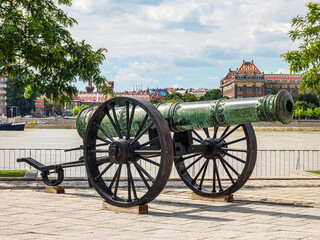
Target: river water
{"points": [[69, 138]]}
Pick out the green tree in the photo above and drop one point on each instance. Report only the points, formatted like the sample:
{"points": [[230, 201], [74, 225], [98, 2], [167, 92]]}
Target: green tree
{"points": [[154, 101], [316, 112], [188, 97], [214, 94], [52, 108], [307, 58], [304, 105], [35, 44], [309, 113], [309, 98], [299, 113], [174, 97], [76, 110], [16, 102]]}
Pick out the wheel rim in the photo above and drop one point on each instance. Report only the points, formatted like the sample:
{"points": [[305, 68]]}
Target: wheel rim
{"points": [[226, 166], [128, 169]]}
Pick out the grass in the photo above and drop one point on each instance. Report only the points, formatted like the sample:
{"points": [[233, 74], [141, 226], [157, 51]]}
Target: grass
{"points": [[12, 173], [316, 172]]}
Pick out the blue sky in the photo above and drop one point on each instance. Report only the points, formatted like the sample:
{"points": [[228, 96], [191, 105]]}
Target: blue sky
{"points": [[184, 43]]}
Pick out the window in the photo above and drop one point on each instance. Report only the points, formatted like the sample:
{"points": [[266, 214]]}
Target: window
{"points": [[249, 89], [258, 89], [269, 90], [240, 89], [292, 90]]}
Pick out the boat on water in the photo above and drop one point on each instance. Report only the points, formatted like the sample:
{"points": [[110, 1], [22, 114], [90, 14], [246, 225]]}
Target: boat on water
{"points": [[6, 126]]}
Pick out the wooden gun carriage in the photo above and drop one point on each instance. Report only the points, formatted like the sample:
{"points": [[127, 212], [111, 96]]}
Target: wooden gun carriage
{"points": [[212, 145]]}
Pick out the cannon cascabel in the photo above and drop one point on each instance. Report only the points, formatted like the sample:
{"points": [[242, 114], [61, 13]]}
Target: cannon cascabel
{"points": [[182, 116]]}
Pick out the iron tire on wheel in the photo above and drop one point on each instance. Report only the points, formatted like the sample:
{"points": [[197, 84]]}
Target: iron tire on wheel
{"points": [[235, 179], [128, 151]]}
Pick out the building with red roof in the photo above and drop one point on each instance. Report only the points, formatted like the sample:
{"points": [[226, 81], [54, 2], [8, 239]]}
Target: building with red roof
{"points": [[249, 81]]}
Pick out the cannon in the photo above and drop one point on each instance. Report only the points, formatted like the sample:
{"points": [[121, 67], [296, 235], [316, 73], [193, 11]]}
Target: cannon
{"points": [[129, 145]]}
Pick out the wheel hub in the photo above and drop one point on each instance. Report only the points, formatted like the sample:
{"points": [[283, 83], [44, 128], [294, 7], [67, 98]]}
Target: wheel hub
{"points": [[214, 148], [119, 151]]}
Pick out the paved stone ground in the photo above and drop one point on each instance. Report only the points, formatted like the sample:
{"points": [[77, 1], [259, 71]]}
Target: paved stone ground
{"points": [[255, 214]]}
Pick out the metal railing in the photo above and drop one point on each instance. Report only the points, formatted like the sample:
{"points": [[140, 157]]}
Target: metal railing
{"points": [[270, 163]]}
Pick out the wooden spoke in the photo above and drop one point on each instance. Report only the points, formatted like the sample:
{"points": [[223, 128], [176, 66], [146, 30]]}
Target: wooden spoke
{"points": [[98, 151], [103, 140], [104, 132], [214, 175], [132, 182], [195, 139], [117, 182], [215, 132], [194, 162], [129, 182], [225, 131], [233, 150], [141, 175], [198, 136], [141, 133], [228, 134], [234, 141], [154, 140], [149, 160], [142, 125], [227, 171], [144, 171], [234, 157], [148, 152], [113, 179], [203, 174], [130, 121], [103, 171], [117, 126], [199, 172], [232, 169], [191, 156], [206, 131], [218, 178]]}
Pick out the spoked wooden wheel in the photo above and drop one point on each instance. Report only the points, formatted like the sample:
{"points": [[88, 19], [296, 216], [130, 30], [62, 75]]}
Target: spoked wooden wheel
{"points": [[128, 151], [227, 164]]}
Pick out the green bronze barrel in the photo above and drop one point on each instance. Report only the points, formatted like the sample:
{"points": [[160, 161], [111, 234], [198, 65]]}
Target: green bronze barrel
{"points": [[182, 116]]}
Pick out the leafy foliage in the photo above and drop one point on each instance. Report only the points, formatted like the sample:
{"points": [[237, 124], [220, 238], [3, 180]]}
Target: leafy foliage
{"points": [[307, 58], [299, 113], [154, 101], [35, 44], [304, 105], [77, 110], [173, 97], [188, 97], [16, 99], [214, 94], [52, 108], [309, 98]]}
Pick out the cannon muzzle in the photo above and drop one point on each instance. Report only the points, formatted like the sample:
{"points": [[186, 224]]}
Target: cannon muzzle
{"points": [[182, 116]]}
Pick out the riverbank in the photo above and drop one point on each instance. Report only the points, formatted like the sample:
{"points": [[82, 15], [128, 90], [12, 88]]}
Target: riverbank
{"points": [[59, 123]]}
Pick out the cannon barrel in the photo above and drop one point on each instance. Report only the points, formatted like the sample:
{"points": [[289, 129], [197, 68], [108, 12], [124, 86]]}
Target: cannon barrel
{"points": [[182, 116]]}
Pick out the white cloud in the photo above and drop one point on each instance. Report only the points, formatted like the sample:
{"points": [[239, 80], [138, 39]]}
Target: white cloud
{"points": [[179, 78], [176, 86], [136, 72], [171, 35], [283, 70]]}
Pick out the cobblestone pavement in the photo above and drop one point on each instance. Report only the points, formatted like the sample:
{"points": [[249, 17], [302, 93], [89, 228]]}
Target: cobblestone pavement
{"points": [[255, 214]]}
